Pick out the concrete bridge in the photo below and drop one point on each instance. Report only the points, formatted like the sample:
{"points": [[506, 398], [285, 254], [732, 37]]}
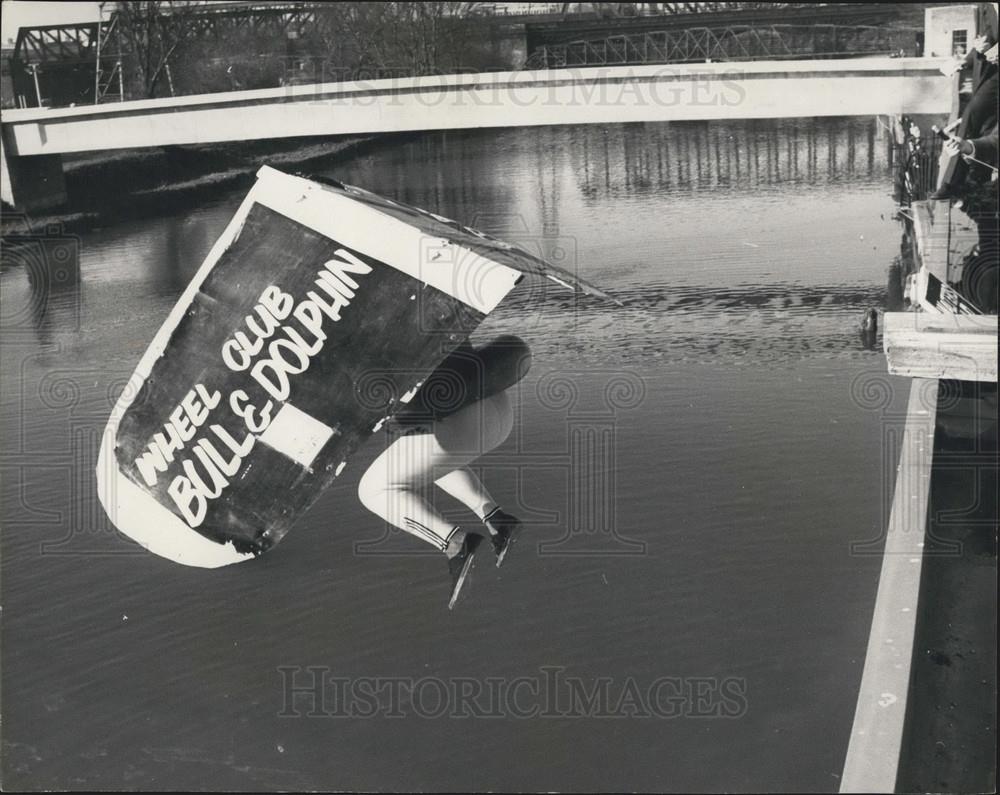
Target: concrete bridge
{"points": [[34, 139]]}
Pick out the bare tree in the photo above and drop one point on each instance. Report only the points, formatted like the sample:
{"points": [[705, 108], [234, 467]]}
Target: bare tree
{"points": [[152, 32], [407, 38]]}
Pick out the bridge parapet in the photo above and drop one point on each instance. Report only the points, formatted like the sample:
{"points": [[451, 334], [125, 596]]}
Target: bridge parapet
{"points": [[591, 95]]}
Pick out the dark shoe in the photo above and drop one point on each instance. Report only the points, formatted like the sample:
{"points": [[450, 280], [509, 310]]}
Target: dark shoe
{"points": [[460, 565], [504, 530]]}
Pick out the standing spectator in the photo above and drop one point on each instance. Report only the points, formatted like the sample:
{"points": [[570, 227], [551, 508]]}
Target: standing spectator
{"points": [[980, 114]]}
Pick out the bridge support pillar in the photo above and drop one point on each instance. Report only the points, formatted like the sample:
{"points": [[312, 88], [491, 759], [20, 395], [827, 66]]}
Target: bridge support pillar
{"points": [[31, 183]]}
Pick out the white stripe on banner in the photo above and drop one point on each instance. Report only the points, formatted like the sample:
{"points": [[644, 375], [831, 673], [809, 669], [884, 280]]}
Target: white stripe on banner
{"points": [[296, 434], [445, 266]]}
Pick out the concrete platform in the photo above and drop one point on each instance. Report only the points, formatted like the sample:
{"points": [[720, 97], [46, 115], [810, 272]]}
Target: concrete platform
{"points": [[950, 743]]}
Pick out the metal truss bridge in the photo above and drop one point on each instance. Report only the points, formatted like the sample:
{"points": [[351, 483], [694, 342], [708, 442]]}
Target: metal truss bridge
{"points": [[84, 63], [731, 43], [613, 9], [51, 61]]}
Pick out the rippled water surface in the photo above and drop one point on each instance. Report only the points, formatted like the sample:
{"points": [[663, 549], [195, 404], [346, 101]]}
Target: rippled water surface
{"points": [[693, 466]]}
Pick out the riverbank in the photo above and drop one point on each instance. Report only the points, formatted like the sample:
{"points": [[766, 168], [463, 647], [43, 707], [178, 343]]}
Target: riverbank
{"points": [[105, 187]]}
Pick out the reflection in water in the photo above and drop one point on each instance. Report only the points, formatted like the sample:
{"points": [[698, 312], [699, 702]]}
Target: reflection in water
{"points": [[894, 287], [761, 240], [634, 159], [51, 264], [700, 227], [434, 172], [869, 329], [903, 265], [728, 244], [456, 173]]}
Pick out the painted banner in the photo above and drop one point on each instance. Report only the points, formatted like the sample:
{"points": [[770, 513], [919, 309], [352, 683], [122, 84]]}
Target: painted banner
{"points": [[317, 314]]}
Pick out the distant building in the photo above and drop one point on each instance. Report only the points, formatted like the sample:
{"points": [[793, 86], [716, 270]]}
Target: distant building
{"points": [[949, 30]]}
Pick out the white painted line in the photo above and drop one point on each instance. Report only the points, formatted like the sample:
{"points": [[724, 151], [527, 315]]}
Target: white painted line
{"points": [[876, 737], [296, 434]]}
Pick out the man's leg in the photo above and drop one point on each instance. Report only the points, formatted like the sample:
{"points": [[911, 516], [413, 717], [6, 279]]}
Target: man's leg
{"points": [[470, 433], [392, 486], [391, 489], [476, 430], [464, 486]]}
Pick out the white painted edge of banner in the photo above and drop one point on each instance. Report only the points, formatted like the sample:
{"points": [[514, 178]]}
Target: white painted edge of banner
{"points": [[453, 269], [135, 512]]}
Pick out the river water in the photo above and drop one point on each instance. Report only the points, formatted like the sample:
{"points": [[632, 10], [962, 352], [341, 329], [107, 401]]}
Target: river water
{"points": [[705, 473]]}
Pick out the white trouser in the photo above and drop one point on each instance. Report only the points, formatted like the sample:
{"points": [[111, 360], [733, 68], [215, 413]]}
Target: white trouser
{"points": [[392, 485]]}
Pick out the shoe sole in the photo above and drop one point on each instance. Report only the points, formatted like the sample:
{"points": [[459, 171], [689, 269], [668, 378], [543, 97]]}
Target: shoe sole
{"points": [[510, 542], [463, 575]]}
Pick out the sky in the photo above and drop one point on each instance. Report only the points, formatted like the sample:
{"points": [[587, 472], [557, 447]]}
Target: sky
{"points": [[18, 13]]}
